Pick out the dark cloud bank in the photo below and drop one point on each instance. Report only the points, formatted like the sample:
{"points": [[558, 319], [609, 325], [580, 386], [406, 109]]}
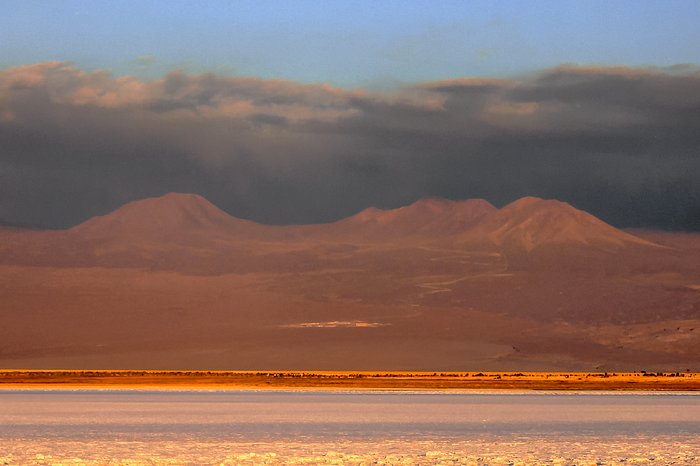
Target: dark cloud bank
{"points": [[621, 143]]}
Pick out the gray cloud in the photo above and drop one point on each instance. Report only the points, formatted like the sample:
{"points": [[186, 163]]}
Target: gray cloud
{"points": [[622, 143]]}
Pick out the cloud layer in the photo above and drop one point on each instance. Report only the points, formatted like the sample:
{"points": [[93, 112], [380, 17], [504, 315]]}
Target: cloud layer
{"points": [[622, 143]]}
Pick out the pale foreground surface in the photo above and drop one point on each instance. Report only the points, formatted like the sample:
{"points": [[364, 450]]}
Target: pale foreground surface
{"points": [[262, 427]]}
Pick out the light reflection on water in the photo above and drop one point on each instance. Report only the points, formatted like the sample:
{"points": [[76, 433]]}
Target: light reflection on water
{"points": [[224, 426]]}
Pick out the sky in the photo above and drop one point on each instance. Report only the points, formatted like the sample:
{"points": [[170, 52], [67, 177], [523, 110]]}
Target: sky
{"points": [[348, 43], [309, 111]]}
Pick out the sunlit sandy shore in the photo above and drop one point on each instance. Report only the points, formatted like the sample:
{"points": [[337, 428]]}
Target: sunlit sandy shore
{"points": [[346, 380]]}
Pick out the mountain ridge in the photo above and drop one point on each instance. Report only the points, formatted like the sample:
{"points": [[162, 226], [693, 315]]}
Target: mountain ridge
{"points": [[427, 216], [524, 224]]}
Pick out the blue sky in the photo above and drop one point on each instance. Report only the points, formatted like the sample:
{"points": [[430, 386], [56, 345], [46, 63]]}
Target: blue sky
{"points": [[351, 44]]}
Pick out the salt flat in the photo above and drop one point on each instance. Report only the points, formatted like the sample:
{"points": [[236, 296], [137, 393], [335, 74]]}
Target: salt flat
{"points": [[266, 427]]}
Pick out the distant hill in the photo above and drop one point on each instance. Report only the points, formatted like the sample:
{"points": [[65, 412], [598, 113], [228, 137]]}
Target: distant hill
{"points": [[172, 217], [531, 223], [431, 217]]}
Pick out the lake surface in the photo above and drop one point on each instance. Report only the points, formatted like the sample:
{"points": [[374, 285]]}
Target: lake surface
{"points": [[264, 427]]}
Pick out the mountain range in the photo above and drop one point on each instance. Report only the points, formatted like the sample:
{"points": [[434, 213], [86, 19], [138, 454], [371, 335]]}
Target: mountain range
{"points": [[175, 282]]}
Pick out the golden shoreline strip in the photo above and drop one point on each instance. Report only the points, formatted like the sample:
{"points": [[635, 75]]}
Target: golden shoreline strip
{"points": [[347, 380]]}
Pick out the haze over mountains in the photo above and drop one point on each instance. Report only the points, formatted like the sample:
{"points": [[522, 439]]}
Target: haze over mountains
{"points": [[175, 282]]}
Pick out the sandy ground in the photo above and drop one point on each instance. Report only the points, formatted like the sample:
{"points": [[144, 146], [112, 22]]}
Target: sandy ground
{"points": [[338, 380]]}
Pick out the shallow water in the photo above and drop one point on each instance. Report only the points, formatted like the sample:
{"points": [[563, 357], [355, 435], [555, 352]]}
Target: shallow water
{"points": [[258, 427]]}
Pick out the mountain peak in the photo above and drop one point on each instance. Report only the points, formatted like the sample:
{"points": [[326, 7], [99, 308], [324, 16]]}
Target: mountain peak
{"points": [[528, 200], [180, 198], [530, 222], [531, 203], [167, 215], [425, 217], [432, 203]]}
